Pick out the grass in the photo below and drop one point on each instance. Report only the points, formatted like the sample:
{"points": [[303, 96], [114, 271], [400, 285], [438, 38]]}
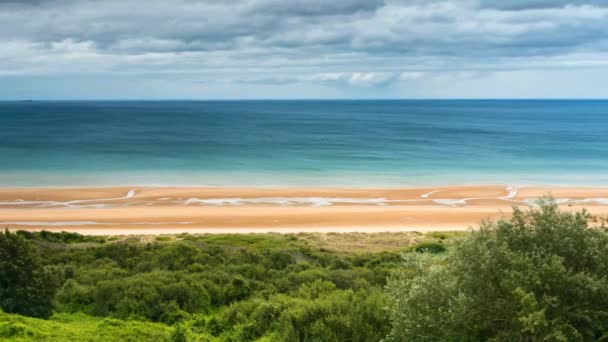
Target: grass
{"points": [[362, 242], [261, 241], [335, 242], [378, 242], [79, 327]]}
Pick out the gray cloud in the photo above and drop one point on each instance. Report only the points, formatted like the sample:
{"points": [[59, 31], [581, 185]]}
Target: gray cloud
{"points": [[538, 4], [343, 43], [313, 7], [22, 2]]}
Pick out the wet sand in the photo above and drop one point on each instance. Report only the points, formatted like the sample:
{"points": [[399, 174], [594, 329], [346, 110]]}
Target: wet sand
{"points": [[164, 210]]}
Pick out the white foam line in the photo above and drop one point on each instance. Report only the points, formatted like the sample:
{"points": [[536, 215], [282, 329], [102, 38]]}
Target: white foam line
{"points": [[512, 192], [22, 202], [452, 202], [598, 200], [429, 193], [314, 201], [71, 204], [327, 201], [129, 195]]}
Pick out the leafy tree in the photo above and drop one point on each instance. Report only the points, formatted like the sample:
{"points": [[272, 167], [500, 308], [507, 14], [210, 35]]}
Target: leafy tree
{"points": [[26, 287], [541, 275]]}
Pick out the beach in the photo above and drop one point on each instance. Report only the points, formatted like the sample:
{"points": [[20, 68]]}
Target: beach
{"points": [[161, 167], [173, 210]]}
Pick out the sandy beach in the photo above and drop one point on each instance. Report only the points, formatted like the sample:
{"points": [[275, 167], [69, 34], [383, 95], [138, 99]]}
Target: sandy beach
{"points": [[165, 210]]}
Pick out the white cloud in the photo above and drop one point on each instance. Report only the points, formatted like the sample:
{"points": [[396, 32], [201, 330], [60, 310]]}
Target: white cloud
{"points": [[367, 79], [411, 75], [356, 79], [348, 44]]}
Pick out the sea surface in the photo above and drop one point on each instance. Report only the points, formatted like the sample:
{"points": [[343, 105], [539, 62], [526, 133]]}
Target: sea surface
{"points": [[303, 143]]}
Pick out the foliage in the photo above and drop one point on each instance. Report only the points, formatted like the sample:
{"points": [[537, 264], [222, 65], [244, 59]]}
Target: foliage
{"points": [[179, 334], [79, 327], [541, 275], [429, 247], [26, 287], [318, 312], [221, 287], [60, 237]]}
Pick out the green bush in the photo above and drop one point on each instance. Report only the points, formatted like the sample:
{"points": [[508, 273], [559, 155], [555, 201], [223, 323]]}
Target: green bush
{"points": [[541, 275], [14, 330], [429, 247], [156, 296], [60, 237], [179, 334]]}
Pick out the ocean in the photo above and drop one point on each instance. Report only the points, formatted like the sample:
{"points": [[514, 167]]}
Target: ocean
{"points": [[367, 143]]}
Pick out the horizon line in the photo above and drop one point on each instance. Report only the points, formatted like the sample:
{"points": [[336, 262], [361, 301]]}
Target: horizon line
{"points": [[27, 100]]}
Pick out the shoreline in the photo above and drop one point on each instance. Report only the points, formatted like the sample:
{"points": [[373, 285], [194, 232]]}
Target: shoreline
{"points": [[215, 210], [305, 186]]}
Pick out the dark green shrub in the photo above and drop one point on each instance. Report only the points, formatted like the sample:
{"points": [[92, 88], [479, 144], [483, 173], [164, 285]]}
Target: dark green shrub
{"points": [[26, 287], [429, 247], [60, 237]]}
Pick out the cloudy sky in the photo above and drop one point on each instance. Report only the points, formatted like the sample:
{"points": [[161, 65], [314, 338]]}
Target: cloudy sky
{"points": [[155, 49]]}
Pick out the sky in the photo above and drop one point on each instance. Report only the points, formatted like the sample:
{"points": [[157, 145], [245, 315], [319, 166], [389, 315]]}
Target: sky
{"points": [[293, 49]]}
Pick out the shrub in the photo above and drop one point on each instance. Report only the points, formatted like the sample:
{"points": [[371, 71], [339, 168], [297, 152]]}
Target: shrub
{"points": [[179, 334], [541, 275], [13, 330], [60, 237], [157, 296], [429, 247]]}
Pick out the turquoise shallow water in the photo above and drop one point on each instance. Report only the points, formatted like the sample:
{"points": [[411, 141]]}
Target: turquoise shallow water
{"points": [[303, 143]]}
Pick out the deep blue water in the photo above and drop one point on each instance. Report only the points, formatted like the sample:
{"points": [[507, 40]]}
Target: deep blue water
{"points": [[341, 143]]}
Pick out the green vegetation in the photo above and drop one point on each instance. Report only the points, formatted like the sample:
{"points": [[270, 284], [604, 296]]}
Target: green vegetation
{"points": [[61, 237], [79, 327], [271, 287], [540, 275], [429, 247], [26, 287]]}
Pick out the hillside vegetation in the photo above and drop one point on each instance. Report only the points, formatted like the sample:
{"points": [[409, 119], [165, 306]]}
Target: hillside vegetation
{"points": [[213, 287], [542, 274]]}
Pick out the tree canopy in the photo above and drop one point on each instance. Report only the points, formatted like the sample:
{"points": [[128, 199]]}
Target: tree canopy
{"points": [[542, 274], [26, 287]]}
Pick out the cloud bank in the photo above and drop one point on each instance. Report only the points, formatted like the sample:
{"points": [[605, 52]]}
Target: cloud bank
{"points": [[312, 48]]}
